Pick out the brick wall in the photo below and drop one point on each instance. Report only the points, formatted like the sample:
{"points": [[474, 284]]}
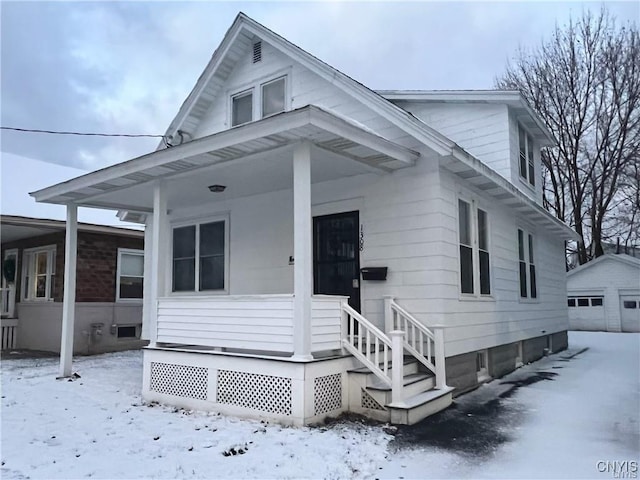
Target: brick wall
{"points": [[96, 263]]}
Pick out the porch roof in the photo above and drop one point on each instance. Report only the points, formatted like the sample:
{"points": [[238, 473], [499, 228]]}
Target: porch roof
{"points": [[325, 130]]}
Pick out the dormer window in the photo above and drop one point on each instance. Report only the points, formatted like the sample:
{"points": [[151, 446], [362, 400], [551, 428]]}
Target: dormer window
{"points": [[260, 100], [527, 168]]}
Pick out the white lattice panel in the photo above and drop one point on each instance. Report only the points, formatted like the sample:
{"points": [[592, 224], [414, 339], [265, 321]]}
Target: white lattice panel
{"points": [[367, 401], [179, 380], [251, 390], [327, 393]]}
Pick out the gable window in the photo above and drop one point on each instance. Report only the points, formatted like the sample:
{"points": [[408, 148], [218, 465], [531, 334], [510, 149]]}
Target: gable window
{"points": [[199, 257], [259, 100], [242, 108], [130, 274], [527, 268], [475, 274], [38, 273], [527, 166], [273, 97]]}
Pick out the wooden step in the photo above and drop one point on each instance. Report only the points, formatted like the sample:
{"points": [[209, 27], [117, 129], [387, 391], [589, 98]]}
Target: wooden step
{"points": [[420, 406], [410, 365], [413, 384]]}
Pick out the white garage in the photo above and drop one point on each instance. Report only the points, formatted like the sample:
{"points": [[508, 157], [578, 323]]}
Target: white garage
{"points": [[604, 294]]}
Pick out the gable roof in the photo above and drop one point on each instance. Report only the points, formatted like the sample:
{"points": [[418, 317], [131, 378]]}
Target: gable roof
{"points": [[241, 34], [621, 258]]}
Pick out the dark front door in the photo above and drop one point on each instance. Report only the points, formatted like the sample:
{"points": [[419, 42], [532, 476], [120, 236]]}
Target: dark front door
{"points": [[336, 256]]}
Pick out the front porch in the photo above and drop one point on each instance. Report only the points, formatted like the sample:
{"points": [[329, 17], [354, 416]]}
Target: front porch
{"points": [[236, 355], [246, 296]]}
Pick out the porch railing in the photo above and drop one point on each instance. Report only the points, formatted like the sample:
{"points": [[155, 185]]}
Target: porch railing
{"points": [[9, 333], [367, 343], [375, 349], [251, 323], [423, 344], [7, 301]]}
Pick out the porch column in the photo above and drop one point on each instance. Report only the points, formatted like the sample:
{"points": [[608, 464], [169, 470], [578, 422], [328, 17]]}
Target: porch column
{"points": [[159, 227], [147, 295], [69, 297], [303, 269]]}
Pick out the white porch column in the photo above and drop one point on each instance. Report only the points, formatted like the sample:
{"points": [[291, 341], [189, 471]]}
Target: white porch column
{"points": [[69, 297], [302, 251], [159, 258], [147, 306]]}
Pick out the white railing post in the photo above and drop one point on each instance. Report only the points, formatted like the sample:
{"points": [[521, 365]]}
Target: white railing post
{"points": [[441, 376], [344, 324], [12, 301], [397, 361], [388, 313]]}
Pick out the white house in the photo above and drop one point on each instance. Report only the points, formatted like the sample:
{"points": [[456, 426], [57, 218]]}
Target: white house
{"points": [[315, 247], [604, 294]]}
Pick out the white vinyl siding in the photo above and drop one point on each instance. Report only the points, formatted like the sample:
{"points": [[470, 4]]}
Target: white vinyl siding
{"points": [[38, 273]]}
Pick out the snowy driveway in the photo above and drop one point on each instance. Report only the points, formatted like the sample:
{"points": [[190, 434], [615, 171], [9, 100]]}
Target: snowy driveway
{"points": [[556, 418]]}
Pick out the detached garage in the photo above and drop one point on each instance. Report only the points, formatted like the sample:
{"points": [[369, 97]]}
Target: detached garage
{"points": [[604, 294]]}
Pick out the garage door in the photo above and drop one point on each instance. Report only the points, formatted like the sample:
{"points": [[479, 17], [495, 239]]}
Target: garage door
{"points": [[630, 313]]}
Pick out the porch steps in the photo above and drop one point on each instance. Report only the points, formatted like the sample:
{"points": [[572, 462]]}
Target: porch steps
{"points": [[420, 406], [421, 398]]}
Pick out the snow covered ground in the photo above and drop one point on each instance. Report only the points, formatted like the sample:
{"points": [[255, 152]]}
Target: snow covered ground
{"points": [[556, 418]]}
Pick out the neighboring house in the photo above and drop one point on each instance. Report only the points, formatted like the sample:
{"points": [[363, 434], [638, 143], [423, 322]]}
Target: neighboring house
{"points": [[305, 233], [109, 288], [604, 294]]}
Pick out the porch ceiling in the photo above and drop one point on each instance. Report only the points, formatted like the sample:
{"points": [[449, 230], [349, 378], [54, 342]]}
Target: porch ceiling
{"points": [[251, 159]]}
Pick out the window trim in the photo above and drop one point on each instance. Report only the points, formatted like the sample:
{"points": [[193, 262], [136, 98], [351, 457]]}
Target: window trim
{"points": [[255, 87], [530, 159], [240, 94], [128, 251], [197, 222], [474, 206], [51, 251], [527, 235]]}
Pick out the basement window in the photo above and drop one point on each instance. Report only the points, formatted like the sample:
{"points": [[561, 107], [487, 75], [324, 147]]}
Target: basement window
{"points": [[128, 331]]}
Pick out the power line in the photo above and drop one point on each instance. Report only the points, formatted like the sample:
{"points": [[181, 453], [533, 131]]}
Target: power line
{"points": [[54, 132]]}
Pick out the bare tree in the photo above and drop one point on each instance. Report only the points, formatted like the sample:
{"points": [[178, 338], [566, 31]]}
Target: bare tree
{"points": [[585, 84]]}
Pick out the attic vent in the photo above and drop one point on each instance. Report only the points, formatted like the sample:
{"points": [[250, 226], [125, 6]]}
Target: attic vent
{"points": [[257, 52]]}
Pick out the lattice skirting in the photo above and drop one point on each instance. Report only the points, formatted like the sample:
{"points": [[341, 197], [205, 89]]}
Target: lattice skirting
{"points": [[179, 380], [327, 393], [367, 401], [266, 393]]}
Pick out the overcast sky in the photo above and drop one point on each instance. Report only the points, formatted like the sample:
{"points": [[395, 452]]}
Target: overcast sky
{"points": [[126, 67]]}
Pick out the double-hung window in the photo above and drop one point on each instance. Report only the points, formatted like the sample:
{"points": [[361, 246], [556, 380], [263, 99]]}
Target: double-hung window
{"points": [[39, 269], [258, 101], [526, 161], [199, 257], [130, 274], [527, 267], [474, 249]]}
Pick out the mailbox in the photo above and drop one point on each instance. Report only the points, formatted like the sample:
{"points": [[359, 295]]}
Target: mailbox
{"points": [[374, 273]]}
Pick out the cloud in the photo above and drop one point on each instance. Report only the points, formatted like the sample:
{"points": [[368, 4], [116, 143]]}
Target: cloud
{"points": [[126, 67]]}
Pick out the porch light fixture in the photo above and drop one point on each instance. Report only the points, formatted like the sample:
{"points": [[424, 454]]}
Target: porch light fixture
{"points": [[217, 188]]}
